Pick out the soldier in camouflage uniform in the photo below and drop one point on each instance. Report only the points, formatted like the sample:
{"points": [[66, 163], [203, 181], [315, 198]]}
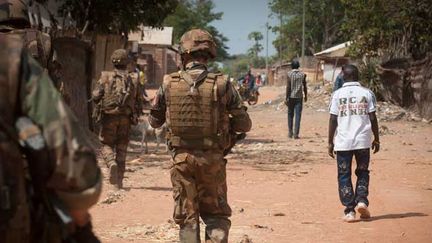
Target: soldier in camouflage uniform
{"points": [[118, 100], [14, 19], [201, 110], [42, 152]]}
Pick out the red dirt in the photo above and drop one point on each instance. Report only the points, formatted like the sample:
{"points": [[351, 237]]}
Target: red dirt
{"points": [[285, 190]]}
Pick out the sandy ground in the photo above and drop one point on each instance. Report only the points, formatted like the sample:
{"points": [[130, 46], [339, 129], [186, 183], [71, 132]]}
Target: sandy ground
{"points": [[284, 190]]}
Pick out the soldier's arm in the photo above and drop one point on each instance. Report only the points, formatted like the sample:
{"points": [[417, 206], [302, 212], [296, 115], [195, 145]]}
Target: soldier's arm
{"points": [[75, 178], [158, 110], [240, 121]]}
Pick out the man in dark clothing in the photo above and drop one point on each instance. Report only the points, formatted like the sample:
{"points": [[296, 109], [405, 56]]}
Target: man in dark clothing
{"points": [[296, 86], [339, 81]]}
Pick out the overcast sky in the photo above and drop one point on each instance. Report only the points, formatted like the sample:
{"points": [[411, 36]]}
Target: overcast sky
{"points": [[240, 17]]}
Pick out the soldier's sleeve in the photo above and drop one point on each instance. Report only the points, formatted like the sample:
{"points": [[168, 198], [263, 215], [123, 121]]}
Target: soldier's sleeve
{"points": [[240, 121], [158, 109], [76, 178]]}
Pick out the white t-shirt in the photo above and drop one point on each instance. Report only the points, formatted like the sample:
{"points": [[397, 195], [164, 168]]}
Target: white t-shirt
{"points": [[352, 104]]}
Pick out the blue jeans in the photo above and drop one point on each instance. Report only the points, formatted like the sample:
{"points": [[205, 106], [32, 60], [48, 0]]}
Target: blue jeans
{"points": [[295, 107], [348, 197]]}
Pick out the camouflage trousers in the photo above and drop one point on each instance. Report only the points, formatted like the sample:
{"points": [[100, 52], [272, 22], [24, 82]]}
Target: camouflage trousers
{"points": [[114, 135], [200, 189]]}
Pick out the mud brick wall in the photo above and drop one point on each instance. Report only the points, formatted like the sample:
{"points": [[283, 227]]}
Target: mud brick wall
{"points": [[420, 76], [408, 83]]}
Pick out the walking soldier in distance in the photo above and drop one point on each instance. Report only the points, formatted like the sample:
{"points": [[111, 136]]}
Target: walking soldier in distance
{"points": [[202, 111], [118, 104]]}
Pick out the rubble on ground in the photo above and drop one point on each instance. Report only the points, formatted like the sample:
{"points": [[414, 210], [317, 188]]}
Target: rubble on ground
{"points": [[246, 239], [113, 197], [167, 232], [390, 112], [319, 98]]}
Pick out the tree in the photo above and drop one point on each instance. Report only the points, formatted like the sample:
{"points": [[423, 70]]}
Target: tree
{"points": [[323, 21], [197, 14], [257, 37], [112, 16], [395, 29]]}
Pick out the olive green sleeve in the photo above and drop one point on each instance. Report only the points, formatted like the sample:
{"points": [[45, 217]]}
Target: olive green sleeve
{"points": [[240, 121], [76, 178]]}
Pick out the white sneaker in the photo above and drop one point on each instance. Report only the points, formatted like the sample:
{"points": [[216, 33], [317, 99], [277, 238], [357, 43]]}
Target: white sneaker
{"points": [[362, 208], [349, 217]]}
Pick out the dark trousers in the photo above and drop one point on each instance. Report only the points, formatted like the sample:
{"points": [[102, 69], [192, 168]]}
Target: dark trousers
{"points": [[295, 107], [349, 198]]}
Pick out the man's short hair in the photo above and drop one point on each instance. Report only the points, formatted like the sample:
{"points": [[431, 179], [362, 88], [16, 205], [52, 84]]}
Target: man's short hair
{"points": [[295, 64], [352, 71]]}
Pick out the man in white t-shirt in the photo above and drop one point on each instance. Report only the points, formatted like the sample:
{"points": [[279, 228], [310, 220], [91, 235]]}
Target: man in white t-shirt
{"points": [[353, 120]]}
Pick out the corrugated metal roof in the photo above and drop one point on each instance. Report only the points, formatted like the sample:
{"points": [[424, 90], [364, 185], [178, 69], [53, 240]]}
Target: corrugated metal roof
{"points": [[152, 36], [335, 51]]}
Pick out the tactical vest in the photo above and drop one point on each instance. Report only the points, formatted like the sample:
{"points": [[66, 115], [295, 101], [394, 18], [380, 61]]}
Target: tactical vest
{"points": [[120, 93], [14, 209], [196, 114]]}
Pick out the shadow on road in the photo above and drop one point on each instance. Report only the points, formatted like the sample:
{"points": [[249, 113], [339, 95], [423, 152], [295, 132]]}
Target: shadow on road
{"points": [[151, 188], [393, 216], [256, 140]]}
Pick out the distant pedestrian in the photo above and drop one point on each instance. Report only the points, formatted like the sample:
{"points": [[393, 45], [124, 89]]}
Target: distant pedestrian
{"points": [[339, 80], [296, 86], [259, 81], [353, 119]]}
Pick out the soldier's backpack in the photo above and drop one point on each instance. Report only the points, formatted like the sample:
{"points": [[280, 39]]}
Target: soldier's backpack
{"points": [[119, 90], [196, 111]]}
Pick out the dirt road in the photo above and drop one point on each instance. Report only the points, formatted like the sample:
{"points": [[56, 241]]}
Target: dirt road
{"points": [[284, 190]]}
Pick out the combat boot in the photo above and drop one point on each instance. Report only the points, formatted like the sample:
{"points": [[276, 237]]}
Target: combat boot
{"points": [[119, 184], [113, 174], [189, 234]]}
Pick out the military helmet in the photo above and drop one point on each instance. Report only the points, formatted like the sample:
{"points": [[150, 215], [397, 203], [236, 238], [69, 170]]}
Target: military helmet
{"points": [[14, 12], [197, 40], [120, 57]]}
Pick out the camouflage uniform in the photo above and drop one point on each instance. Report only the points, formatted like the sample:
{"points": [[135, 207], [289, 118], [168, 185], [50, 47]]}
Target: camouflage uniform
{"points": [[116, 119], [69, 168], [198, 173], [14, 20]]}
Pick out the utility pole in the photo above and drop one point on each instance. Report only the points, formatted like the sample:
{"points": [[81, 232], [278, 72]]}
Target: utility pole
{"points": [[303, 32], [280, 45], [267, 41]]}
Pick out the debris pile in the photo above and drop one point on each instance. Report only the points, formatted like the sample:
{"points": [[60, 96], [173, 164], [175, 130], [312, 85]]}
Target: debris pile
{"points": [[167, 232], [390, 112], [113, 197]]}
